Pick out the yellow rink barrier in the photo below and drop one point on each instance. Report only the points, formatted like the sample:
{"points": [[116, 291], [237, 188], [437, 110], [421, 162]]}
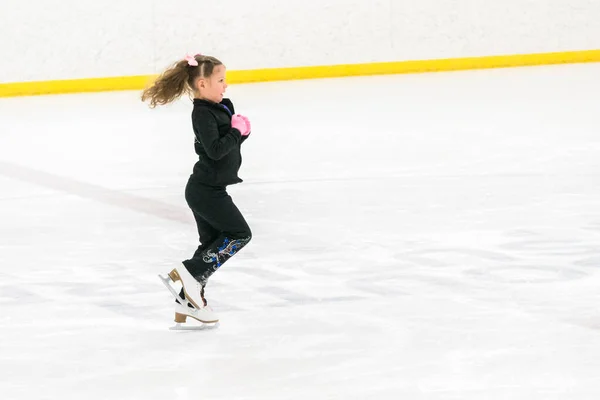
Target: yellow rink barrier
{"points": [[324, 71]]}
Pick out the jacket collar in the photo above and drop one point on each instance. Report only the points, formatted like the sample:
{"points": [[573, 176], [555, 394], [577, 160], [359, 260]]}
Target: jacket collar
{"points": [[210, 104]]}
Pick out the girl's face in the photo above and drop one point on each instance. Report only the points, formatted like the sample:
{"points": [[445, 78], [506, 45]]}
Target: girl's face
{"points": [[213, 87]]}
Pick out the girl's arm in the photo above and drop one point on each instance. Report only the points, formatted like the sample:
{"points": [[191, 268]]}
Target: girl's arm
{"points": [[207, 133]]}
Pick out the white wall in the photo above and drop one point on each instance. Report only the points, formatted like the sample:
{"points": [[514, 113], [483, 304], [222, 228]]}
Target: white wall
{"points": [[61, 39]]}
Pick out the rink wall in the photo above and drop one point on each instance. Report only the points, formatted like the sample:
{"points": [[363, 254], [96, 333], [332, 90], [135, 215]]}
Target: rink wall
{"points": [[52, 46]]}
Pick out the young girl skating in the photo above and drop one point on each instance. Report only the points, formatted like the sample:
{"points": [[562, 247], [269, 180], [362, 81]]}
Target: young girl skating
{"points": [[219, 132]]}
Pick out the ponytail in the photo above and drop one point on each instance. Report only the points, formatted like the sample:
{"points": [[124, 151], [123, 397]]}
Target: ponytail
{"points": [[179, 79]]}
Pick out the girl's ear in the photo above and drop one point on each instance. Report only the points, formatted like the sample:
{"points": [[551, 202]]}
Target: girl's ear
{"points": [[199, 83]]}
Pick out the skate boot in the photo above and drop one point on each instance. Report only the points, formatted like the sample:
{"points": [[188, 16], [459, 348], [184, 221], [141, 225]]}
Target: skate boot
{"points": [[205, 315], [193, 304]]}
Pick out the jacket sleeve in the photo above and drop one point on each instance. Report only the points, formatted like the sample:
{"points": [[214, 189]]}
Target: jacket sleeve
{"points": [[207, 133]]}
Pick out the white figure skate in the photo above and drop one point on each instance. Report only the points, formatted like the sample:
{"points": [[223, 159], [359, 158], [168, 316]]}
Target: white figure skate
{"points": [[194, 305]]}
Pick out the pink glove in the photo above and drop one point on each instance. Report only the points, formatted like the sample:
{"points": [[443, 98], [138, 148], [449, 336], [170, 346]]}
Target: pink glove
{"points": [[241, 123], [247, 124]]}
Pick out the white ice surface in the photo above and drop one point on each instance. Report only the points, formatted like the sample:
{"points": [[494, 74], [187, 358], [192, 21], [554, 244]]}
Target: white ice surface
{"points": [[415, 237]]}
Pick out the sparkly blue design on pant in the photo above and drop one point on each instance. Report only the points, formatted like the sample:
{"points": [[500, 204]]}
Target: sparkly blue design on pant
{"points": [[224, 252]]}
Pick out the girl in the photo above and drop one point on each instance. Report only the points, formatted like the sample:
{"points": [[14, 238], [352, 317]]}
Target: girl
{"points": [[219, 133]]}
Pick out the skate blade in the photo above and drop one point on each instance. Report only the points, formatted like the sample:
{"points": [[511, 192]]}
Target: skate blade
{"points": [[187, 327], [166, 281]]}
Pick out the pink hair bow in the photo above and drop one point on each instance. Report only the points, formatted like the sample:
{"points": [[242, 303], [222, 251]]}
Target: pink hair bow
{"points": [[191, 60]]}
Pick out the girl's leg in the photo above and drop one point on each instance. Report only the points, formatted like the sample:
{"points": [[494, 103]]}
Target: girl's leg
{"points": [[215, 206], [206, 232], [218, 210]]}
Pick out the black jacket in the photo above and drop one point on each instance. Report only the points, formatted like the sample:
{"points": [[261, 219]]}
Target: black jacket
{"points": [[217, 143]]}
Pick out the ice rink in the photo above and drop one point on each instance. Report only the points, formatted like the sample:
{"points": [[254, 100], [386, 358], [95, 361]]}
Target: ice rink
{"points": [[431, 236]]}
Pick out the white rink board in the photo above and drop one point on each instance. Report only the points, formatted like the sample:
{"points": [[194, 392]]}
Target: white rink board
{"points": [[69, 39]]}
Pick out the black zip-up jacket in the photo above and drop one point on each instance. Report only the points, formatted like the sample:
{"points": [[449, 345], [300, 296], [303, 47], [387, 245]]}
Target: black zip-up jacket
{"points": [[217, 143]]}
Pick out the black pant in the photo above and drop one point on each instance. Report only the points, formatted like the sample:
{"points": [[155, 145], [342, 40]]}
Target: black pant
{"points": [[222, 228]]}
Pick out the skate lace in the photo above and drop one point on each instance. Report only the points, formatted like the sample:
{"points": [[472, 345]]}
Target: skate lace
{"points": [[199, 291]]}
